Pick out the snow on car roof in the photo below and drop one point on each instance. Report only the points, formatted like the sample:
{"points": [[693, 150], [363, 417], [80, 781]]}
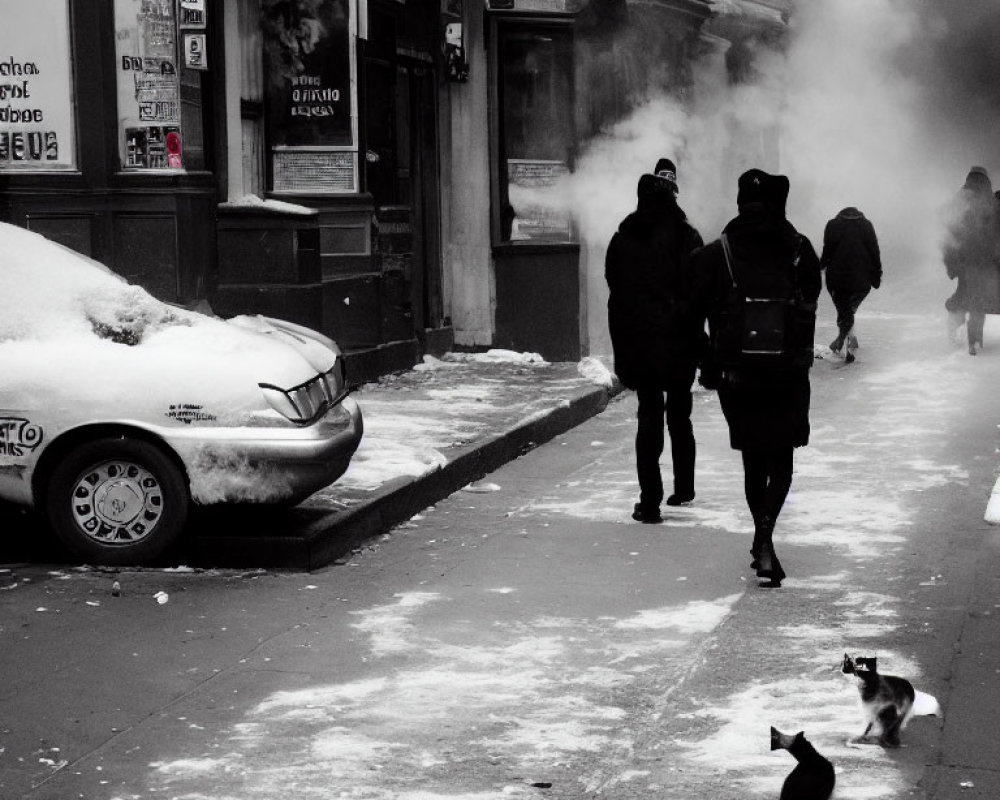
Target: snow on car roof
{"points": [[50, 292], [75, 334]]}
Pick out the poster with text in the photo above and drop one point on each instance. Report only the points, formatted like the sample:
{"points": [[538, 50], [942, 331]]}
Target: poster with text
{"points": [[36, 88], [308, 53], [146, 63]]}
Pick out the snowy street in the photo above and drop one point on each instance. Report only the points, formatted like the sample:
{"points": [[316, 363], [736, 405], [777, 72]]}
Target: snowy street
{"points": [[526, 638]]}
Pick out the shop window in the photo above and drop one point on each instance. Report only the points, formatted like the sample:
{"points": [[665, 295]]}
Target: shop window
{"points": [[534, 130], [310, 102], [37, 122], [159, 92]]}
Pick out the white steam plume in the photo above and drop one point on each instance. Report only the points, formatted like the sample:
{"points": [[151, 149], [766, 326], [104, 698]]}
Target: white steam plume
{"points": [[844, 111]]}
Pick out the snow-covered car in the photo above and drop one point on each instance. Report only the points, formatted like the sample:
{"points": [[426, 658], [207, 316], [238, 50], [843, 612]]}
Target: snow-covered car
{"points": [[117, 411]]}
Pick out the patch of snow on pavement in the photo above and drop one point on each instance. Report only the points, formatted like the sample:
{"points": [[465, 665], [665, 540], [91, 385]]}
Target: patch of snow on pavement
{"points": [[593, 370], [500, 356], [863, 526], [532, 698], [390, 623], [190, 765], [697, 616]]}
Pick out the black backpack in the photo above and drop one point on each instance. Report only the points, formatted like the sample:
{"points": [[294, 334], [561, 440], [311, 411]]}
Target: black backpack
{"points": [[765, 331]]}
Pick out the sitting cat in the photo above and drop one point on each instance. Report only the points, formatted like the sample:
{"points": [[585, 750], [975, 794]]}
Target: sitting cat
{"points": [[813, 777], [889, 702]]}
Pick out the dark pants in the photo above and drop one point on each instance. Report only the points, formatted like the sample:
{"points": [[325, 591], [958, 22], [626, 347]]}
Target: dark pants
{"points": [[974, 325], [676, 401], [767, 477], [847, 304]]}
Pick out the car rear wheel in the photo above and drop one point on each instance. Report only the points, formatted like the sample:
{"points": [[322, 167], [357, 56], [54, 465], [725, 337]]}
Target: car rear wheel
{"points": [[117, 501]]}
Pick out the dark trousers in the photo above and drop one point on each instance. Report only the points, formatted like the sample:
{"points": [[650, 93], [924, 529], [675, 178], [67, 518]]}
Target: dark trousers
{"points": [[974, 325], [847, 304], [676, 401], [767, 477]]}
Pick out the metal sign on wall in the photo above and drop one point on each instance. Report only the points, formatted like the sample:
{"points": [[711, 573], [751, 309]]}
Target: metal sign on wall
{"points": [[308, 48], [36, 88]]}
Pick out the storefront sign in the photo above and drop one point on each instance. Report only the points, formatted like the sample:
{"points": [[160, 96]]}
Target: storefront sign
{"points": [[36, 88], [149, 108], [308, 49]]}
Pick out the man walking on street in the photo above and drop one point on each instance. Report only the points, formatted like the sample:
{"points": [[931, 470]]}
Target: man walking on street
{"points": [[656, 340], [853, 268]]}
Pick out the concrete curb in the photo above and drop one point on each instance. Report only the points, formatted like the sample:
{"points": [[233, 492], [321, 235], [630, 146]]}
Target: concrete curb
{"points": [[322, 537]]}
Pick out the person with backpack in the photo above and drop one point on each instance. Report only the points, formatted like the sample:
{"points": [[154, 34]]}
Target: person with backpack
{"points": [[757, 286], [657, 343], [853, 267]]}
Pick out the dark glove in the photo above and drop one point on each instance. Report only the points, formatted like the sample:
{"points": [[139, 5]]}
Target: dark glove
{"points": [[876, 282]]}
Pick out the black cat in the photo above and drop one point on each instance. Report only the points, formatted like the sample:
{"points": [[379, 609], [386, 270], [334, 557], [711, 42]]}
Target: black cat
{"points": [[889, 702], [813, 777]]}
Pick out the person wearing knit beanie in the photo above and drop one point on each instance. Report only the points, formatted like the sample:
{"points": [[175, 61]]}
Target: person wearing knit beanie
{"points": [[656, 343], [666, 171], [757, 186]]}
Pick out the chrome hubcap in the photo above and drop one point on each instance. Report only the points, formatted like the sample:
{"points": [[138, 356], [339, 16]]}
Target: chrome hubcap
{"points": [[117, 502]]}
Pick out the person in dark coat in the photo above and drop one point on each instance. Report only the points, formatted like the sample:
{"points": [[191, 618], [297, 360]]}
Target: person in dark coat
{"points": [[971, 255], [656, 342], [853, 268], [766, 405]]}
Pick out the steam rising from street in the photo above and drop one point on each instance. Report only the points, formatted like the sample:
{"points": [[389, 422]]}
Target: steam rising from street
{"points": [[879, 104]]}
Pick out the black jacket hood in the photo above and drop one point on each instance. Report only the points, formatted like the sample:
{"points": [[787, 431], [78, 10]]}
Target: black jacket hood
{"points": [[652, 213]]}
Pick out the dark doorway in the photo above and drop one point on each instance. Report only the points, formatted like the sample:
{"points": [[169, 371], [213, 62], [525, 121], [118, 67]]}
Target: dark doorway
{"points": [[401, 163]]}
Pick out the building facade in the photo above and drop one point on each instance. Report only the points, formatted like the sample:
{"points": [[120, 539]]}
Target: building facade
{"points": [[106, 137], [384, 171]]}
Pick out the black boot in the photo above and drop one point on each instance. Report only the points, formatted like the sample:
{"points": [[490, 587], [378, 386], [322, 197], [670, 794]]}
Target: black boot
{"points": [[680, 498], [762, 530], [768, 566]]}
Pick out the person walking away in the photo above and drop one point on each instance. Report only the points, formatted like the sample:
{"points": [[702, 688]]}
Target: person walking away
{"points": [[970, 254], [757, 286], [853, 267], [656, 342]]}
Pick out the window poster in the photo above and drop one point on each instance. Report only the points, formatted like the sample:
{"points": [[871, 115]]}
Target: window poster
{"points": [[536, 204], [36, 88], [149, 108], [308, 49]]}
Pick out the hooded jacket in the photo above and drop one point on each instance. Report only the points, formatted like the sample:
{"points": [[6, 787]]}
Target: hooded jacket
{"points": [[647, 268], [851, 254]]}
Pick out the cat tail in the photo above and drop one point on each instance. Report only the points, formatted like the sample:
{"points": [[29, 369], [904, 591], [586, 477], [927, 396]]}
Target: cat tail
{"points": [[925, 705]]}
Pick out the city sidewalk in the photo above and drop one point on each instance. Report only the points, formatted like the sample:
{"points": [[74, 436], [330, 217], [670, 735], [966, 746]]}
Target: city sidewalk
{"points": [[428, 432]]}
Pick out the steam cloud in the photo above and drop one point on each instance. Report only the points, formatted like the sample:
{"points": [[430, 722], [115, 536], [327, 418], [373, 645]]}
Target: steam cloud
{"points": [[879, 104]]}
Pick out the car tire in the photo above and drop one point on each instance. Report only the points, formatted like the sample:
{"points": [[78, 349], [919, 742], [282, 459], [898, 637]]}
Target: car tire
{"points": [[117, 501]]}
